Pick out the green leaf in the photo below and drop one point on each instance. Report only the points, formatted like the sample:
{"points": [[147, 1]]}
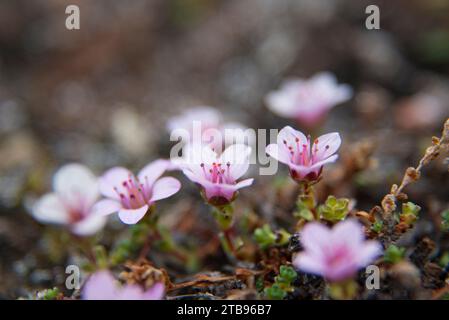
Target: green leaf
{"points": [[377, 226], [334, 209], [275, 292], [394, 254], [410, 212]]}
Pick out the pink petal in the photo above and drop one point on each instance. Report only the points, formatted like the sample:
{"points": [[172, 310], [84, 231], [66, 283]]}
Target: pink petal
{"points": [[308, 264], [370, 251], [349, 232], [278, 153], [50, 209], [315, 237], [303, 171], [106, 207], [156, 292], [113, 178], [216, 190], [237, 156], [330, 140], [289, 134], [164, 188], [244, 183], [89, 225], [76, 185], [132, 216], [341, 271], [130, 292], [100, 286], [152, 171], [283, 101], [344, 93], [319, 164]]}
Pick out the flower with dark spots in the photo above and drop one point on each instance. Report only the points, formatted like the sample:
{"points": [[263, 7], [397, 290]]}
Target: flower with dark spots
{"points": [[304, 158], [133, 196]]}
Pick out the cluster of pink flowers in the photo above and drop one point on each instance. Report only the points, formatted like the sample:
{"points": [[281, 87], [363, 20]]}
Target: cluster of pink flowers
{"points": [[102, 286], [336, 254], [308, 101]]}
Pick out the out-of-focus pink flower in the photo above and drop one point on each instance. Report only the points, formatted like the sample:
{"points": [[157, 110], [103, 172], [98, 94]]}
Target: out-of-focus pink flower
{"points": [[102, 286], [204, 125], [336, 254], [217, 174], [132, 196], [304, 158], [308, 101], [71, 203]]}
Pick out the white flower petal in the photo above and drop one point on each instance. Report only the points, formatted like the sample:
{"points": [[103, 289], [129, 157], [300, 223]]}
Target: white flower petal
{"points": [[89, 225], [50, 209], [77, 185], [132, 216], [164, 188], [152, 171]]}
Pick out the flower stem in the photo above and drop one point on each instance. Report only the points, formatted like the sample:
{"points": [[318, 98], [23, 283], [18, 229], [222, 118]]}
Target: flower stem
{"points": [[306, 205], [157, 232], [224, 215], [343, 290]]}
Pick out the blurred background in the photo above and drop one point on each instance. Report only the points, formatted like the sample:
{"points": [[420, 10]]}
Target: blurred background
{"points": [[101, 95]]}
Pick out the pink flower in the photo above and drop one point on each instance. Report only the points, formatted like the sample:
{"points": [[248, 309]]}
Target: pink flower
{"points": [[71, 204], [217, 175], [102, 286], [335, 254], [308, 101], [304, 159], [132, 196], [204, 125]]}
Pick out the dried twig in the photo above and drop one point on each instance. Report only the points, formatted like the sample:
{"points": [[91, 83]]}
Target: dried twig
{"points": [[413, 174]]}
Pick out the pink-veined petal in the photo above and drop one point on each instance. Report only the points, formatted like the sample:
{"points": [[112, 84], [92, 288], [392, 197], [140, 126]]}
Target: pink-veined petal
{"points": [[278, 153], [327, 145], [321, 163]]}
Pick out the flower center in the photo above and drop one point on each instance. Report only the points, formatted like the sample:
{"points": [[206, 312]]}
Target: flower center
{"points": [[337, 256], [134, 194], [304, 154], [217, 173]]}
